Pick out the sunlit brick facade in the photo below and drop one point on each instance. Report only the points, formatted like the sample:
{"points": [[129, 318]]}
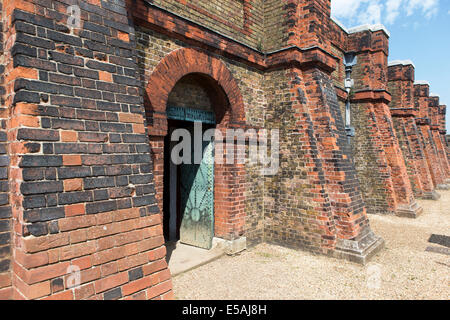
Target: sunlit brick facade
{"points": [[84, 147]]}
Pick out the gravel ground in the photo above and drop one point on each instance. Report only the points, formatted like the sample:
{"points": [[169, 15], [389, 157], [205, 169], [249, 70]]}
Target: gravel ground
{"points": [[403, 270]]}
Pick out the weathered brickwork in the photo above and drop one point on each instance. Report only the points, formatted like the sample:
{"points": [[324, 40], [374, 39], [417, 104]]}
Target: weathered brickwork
{"points": [[291, 217], [378, 158], [82, 182], [84, 129], [443, 132], [435, 126], [5, 208], [424, 122], [276, 32], [241, 19], [446, 143], [401, 86]]}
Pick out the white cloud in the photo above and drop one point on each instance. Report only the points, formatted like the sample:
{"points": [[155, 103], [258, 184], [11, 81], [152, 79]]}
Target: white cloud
{"points": [[381, 11], [392, 10], [346, 8], [372, 14], [428, 7]]}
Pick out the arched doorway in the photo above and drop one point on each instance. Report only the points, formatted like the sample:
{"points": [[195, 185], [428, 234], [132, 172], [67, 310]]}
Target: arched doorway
{"points": [[189, 81], [188, 208]]}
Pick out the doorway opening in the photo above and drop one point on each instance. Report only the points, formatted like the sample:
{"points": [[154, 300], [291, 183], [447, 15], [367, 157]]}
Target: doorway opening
{"points": [[185, 81], [188, 207]]}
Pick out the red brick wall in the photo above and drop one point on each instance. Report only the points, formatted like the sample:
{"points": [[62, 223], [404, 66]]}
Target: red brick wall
{"points": [[81, 177], [435, 116], [5, 208], [242, 20], [401, 86], [85, 121], [393, 194], [424, 122]]}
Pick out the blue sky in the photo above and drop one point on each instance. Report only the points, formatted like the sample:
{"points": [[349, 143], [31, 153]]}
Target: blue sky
{"points": [[420, 32]]}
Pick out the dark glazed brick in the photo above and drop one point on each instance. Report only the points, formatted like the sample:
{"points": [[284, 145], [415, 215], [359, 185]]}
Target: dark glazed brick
{"points": [[113, 294], [31, 18], [43, 214], [135, 274], [95, 183], [4, 161], [26, 96], [25, 61], [143, 201], [5, 212], [5, 251], [98, 207], [37, 135], [101, 66], [57, 285], [97, 28], [65, 58], [100, 195], [5, 238], [4, 265], [34, 41], [25, 27], [53, 227], [36, 229], [4, 199], [74, 197], [22, 49], [61, 37], [41, 161], [4, 225], [41, 187], [93, 94], [85, 73], [31, 202]]}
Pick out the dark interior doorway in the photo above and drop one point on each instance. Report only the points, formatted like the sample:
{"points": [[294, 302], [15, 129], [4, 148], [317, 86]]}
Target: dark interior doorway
{"points": [[181, 188]]}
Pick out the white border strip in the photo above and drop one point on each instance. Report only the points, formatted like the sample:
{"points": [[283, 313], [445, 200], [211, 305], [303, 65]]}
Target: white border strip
{"points": [[370, 27], [401, 62], [365, 27], [422, 82]]}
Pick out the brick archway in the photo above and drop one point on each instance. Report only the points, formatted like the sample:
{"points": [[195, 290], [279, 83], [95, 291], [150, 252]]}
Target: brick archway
{"points": [[229, 108], [186, 61]]}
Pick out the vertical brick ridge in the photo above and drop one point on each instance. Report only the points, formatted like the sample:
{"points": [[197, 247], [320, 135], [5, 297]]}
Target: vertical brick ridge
{"points": [[5, 208], [355, 239], [409, 156], [313, 24], [83, 124], [443, 132], [422, 105], [401, 86], [414, 136], [442, 154], [338, 215], [402, 185], [297, 205], [435, 126], [370, 91], [81, 171], [341, 182], [374, 172]]}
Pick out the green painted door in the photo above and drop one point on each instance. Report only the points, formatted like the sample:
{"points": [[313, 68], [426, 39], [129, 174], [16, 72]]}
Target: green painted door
{"points": [[197, 200]]}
